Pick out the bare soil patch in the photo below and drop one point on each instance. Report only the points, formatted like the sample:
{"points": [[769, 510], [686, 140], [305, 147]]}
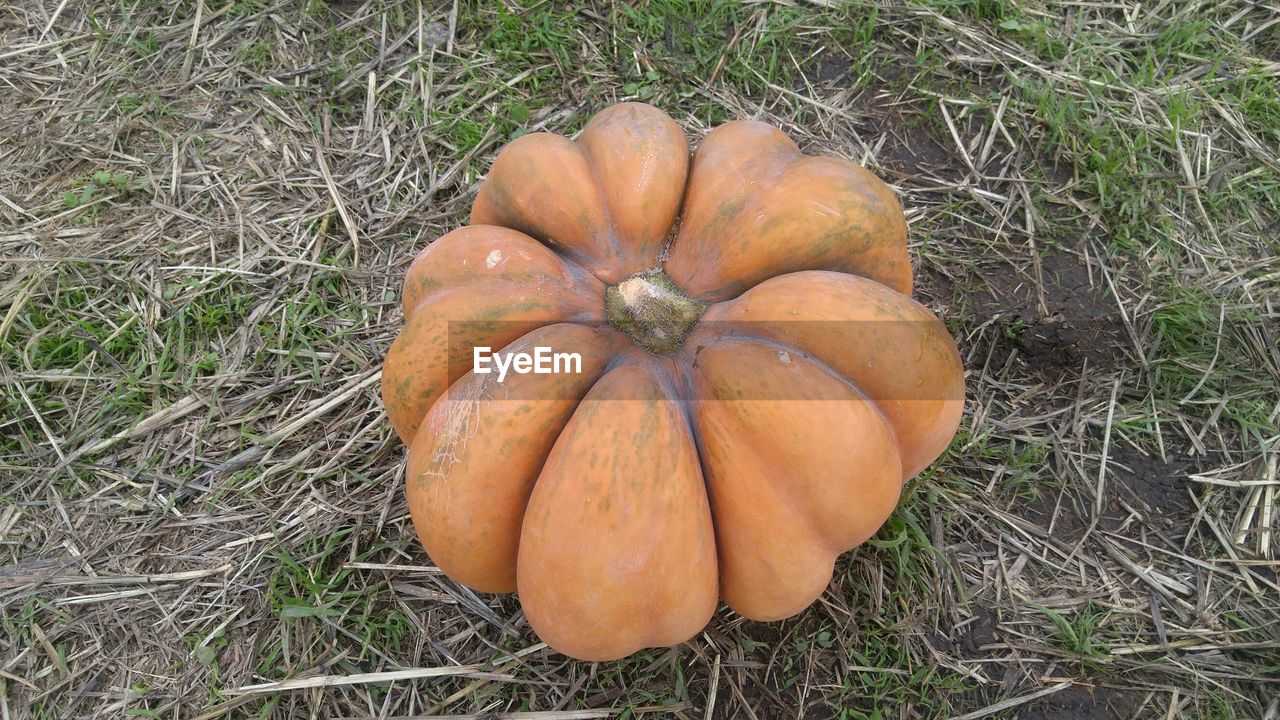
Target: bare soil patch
{"points": [[1080, 703], [1054, 315]]}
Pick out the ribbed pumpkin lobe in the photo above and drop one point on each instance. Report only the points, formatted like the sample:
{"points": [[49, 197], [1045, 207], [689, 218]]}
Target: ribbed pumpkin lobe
{"points": [[652, 311]]}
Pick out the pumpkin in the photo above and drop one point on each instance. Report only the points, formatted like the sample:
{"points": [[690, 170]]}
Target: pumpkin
{"points": [[754, 382]]}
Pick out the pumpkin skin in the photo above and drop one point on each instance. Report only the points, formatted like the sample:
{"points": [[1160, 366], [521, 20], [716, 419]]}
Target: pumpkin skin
{"points": [[756, 383]]}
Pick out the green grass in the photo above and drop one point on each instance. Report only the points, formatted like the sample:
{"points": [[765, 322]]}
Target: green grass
{"points": [[1077, 632], [305, 591], [1215, 362]]}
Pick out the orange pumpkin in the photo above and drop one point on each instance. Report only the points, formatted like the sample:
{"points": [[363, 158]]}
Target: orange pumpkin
{"points": [[754, 383]]}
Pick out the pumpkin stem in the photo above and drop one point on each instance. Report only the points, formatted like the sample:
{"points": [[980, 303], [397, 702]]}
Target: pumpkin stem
{"points": [[651, 310]]}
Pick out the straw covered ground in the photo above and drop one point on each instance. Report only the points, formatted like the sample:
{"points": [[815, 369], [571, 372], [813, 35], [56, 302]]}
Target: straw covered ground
{"points": [[205, 210]]}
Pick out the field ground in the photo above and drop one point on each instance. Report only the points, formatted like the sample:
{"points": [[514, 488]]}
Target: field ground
{"points": [[206, 205]]}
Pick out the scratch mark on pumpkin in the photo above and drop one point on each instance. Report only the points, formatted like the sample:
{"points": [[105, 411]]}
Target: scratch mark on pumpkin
{"points": [[459, 424], [823, 208]]}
